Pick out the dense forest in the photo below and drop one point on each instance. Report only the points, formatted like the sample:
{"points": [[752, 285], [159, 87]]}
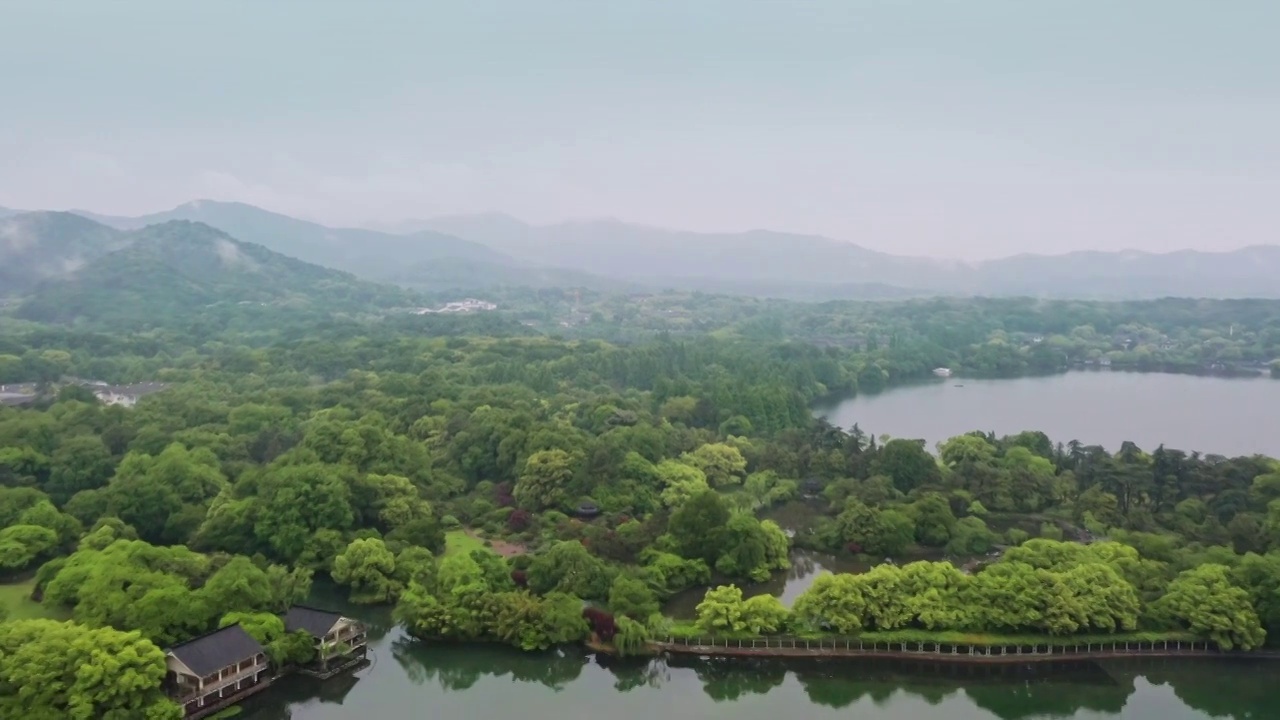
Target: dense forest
{"points": [[979, 336], [129, 340], [489, 479]]}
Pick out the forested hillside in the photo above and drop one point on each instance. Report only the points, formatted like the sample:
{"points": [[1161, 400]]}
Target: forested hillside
{"points": [[420, 259], [38, 246], [993, 337], [176, 270]]}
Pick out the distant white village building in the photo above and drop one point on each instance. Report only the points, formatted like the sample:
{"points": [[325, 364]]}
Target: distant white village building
{"points": [[18, 394], [124, 395], [460, 306]]}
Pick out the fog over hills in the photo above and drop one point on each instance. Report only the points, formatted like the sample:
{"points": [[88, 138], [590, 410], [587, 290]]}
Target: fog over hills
{"points": [[364, 252], [817, 267], [479, 251], [42, 245], [1244, 273], [421, 258], [174, 269]]}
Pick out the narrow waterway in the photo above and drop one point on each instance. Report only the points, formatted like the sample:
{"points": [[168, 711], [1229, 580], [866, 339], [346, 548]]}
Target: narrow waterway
{"points": [[787, 586], [806, 565]]}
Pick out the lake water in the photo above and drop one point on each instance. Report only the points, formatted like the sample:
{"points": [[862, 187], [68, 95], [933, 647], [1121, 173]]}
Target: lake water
{"points": [[411, 679], [416, 680], [1224, 416]]}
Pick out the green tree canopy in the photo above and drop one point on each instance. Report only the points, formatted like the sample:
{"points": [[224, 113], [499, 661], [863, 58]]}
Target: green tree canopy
{"points": [[570, 568], [63, 670], [698, 526], [1206, 602], [369, 569], [546, 478], [720, 463], [908, 463]]}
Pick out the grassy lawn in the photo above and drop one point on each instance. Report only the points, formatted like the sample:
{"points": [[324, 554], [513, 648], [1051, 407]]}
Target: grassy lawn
{"points": [[16, 599], [458, 541]]}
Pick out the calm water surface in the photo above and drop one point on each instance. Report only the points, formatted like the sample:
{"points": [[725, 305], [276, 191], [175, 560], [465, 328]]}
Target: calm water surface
{"points": [[409, 679], [415, 680], [1225, 416]]}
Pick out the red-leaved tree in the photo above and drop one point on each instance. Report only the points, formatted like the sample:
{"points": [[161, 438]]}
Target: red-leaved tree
{"points": [[601, 622], [519, 520]]}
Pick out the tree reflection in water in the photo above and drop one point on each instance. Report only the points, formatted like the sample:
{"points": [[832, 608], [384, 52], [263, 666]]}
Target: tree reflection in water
{"points": [[458, 667], [724, 679], [1225, 689], [633, 673], [277, 703], [1219, 688], [1010, 692]]}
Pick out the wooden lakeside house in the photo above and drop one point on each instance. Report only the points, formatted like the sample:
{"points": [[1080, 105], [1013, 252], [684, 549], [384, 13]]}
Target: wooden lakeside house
{"points": [[216, 670], [339, 641]]}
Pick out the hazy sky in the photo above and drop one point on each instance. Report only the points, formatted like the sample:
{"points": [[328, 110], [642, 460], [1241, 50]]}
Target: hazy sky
{"points": [[966, 128]]}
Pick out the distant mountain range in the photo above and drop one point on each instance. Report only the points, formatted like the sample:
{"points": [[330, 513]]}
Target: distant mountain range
{"points": [[754, 263], [422, 259], [816, 267], [1249, 272], [70, 268], [483, 251]]}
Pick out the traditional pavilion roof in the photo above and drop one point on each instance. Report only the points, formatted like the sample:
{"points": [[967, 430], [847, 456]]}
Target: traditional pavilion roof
{"points": [[314, 621], [210, 653]]}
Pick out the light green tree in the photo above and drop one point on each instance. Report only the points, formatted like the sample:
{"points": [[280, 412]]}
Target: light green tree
{"points": [[680, 482], [544, 482], [22, 545], [369, 569], [720, 611], [65, 670], [764, 615], [722, 464], [965, 450], [833, 603], [239, 585], [1204, 601]]}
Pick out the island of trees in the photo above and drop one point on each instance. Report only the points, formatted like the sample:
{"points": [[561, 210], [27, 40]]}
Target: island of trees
{"points": [[495, 483]]}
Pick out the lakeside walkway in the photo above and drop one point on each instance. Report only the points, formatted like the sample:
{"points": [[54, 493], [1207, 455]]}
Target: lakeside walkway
{"points": [[945, 652]]}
